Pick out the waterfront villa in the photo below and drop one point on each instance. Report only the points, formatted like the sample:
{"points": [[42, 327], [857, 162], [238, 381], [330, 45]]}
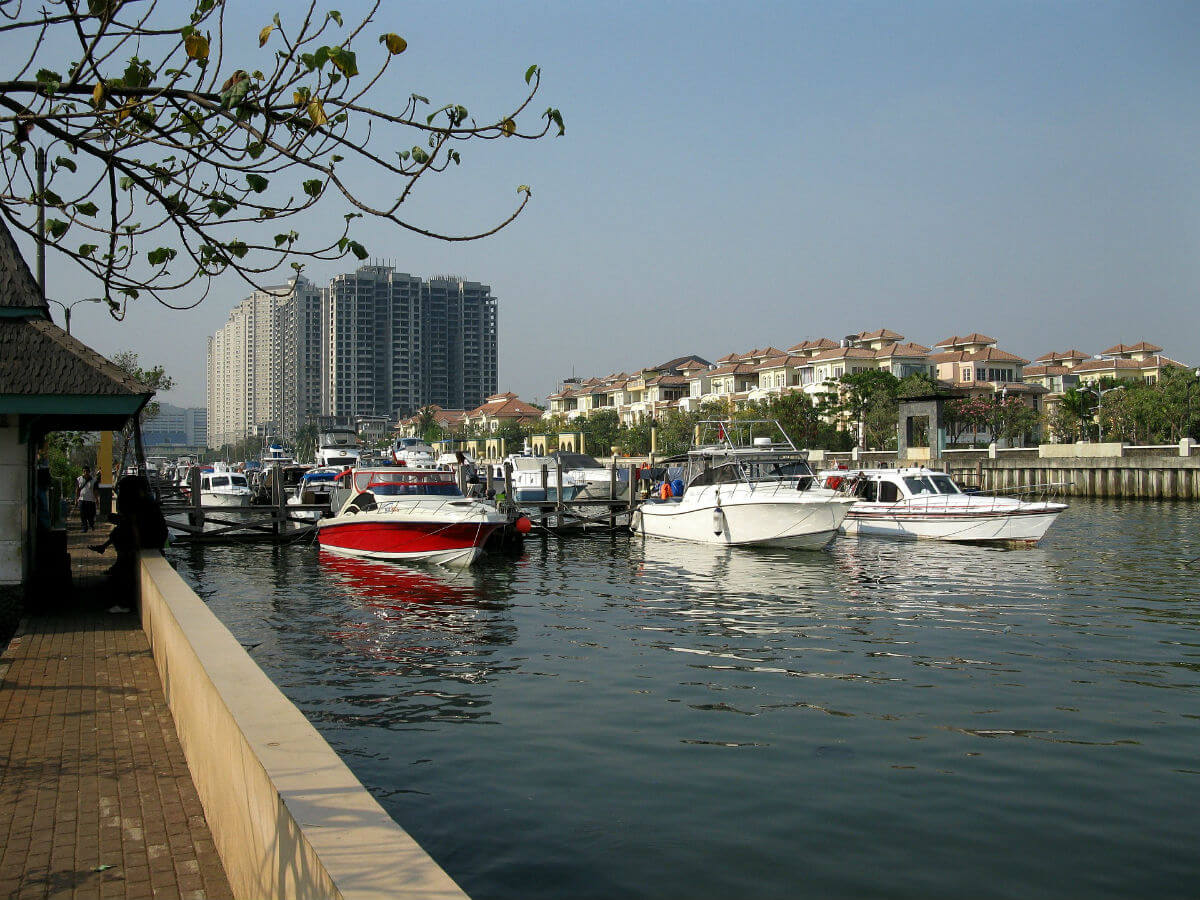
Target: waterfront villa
{"points": [[500, 408]]}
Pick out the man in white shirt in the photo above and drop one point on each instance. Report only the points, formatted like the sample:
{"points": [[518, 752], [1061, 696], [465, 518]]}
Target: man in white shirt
{"points": [[85, 498]]}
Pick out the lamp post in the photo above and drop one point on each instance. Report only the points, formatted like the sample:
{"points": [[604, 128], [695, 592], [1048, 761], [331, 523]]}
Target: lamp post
{"points": [[1100, 392], [67, 308]]}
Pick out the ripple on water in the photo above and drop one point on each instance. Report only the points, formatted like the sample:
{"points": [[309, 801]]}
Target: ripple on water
{"points": [[610, 716]]}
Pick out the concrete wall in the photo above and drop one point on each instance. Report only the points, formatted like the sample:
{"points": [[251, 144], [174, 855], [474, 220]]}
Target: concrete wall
{"points": [[14, 502], [288, 817]]}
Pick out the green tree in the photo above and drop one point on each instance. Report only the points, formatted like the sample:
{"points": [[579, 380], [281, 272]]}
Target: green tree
{"points": [[306, 439], [155, 379], [175, 155], [601, 432]]}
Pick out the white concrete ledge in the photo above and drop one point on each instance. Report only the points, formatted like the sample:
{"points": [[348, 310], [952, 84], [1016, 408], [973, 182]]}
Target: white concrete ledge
{"points": [[288, 817]]}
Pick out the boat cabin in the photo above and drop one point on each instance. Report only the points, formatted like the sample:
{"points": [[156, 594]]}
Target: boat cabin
{"points": [[895, 485], [365, 485], [222, 480]]}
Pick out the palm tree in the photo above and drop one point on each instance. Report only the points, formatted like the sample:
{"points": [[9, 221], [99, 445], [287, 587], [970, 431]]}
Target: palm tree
{"points": [[1081, 407]]}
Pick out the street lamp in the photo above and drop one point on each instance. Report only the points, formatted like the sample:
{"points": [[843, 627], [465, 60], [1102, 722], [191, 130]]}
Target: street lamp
{"points": [[67, 307], [1100, 392]]}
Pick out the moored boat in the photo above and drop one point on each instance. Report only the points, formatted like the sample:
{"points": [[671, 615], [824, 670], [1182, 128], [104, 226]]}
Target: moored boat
{"points": [[408, 514], [745, 490], [917, 503], [224, 487]]}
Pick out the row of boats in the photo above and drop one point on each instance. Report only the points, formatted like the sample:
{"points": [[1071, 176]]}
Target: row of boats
{"points": [[736, 487], [742, 484]]}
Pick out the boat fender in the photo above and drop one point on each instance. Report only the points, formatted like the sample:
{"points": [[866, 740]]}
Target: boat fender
{"points": [[635, 521], [834, 482], [718, 520], [664, 492], [523, 525]]}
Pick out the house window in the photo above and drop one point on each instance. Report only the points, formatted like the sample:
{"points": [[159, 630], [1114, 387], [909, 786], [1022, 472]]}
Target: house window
{"points": [[966, 374]]}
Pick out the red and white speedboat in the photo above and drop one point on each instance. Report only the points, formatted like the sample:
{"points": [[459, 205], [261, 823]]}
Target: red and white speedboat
{"points": [[408, 514]]}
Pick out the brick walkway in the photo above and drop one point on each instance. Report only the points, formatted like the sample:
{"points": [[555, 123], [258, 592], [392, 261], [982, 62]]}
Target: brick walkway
{"points": [[95, 797]]}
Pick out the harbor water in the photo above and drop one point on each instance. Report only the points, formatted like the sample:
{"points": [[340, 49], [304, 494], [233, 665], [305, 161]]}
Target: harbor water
{"points": [[614, 717]]}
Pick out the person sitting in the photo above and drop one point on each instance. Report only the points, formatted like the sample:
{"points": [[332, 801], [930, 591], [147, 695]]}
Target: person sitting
{"points": [[140, 526]]}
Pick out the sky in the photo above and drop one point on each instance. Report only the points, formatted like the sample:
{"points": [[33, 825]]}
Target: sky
{"points": [[737, 175]]}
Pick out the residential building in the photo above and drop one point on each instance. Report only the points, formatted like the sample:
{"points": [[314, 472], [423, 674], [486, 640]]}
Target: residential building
{"points": [[264, 365], [1141, 360], [500, 408], [395, 343]]}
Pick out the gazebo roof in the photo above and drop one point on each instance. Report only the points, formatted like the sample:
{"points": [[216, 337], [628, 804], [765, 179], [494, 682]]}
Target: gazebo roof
{"points": [[45, 373]]}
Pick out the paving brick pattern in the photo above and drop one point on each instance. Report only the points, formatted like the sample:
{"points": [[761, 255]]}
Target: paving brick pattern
{"points": [[96, 800]]}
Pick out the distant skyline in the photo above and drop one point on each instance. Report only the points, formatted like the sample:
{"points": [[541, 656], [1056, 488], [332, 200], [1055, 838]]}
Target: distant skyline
{"points": [[741, 174]]}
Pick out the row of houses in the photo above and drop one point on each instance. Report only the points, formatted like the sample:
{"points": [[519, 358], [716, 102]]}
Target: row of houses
{"points": [[971, 364]]}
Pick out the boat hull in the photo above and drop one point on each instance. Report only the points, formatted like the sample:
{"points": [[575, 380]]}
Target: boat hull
{"points": [[225, 501], [1026, 524], [794, 521], [443, 543]]}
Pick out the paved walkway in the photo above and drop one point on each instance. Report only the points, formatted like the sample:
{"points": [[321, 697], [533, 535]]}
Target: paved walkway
{"points": [[95, 797]]}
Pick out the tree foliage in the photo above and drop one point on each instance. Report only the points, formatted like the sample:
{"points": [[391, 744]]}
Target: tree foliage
{"points": [[175, 155], [155, 379]]}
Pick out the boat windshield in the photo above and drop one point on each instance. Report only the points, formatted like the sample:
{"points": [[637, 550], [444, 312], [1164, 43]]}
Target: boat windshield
{"points": [[944, 484], [238, 481], [401, 482], [918, 485], [220, 481]]}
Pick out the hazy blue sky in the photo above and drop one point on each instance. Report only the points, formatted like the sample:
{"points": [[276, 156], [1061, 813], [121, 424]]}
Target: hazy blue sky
{"points": [[742, 174]]}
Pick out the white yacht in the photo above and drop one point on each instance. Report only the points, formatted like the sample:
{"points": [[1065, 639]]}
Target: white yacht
{"points": [[224, 487], [745, 484], [924, 503], [413, 452], [337, 447]]}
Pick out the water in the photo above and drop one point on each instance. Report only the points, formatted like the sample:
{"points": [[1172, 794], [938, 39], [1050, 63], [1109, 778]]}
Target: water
{"points": [[613, 717]]}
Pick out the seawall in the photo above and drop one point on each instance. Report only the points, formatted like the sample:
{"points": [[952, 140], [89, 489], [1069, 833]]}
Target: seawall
{"points": [[288, 817], [1075, 470]]}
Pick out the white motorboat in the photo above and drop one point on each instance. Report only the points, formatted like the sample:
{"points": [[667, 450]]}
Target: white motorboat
{"points": [[224, 487], [315, 489], [413, 452], [337, 447], [583, 478], [745, 489], [924, 503], [408, 514]]}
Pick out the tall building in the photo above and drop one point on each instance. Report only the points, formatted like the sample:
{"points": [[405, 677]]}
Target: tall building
{"points": [[376, 342], [264, 366], [177, 426], [395, 344]]}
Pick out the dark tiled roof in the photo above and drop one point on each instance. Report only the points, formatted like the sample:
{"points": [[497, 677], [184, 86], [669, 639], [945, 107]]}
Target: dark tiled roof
{"points": [[973, 338], [18, 288], [1141, 346], [38, 357]]}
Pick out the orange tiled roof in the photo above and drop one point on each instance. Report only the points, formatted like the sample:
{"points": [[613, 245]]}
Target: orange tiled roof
{"points": [[973, 338]]}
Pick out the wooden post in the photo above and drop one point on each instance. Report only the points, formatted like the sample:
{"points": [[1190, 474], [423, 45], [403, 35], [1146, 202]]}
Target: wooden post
{"points": [[633, 486], [545, 494], [508, 490], [280, 498], [612, 495], [558, 496], [197, 506]]}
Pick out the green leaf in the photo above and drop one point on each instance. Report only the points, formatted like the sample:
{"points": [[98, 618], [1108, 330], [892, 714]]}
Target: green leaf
{"points": [[65, 162], [56, 228], [257, 183], [238, 248], [313, 187], [345, 60], [126, 182], [288, 238], [86, 209], [335, 15], [529, 73], [556, 117], [87, 249], [50, 80], [418, 98], [160, 255], [255, 150], [419, 155], [358, 250]]}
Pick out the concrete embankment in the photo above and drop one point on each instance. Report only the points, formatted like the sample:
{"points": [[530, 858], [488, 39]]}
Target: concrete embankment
{"points": [[288, 817]]}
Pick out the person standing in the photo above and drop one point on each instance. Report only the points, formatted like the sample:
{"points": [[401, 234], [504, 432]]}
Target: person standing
{"points": [[85, 498]]}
